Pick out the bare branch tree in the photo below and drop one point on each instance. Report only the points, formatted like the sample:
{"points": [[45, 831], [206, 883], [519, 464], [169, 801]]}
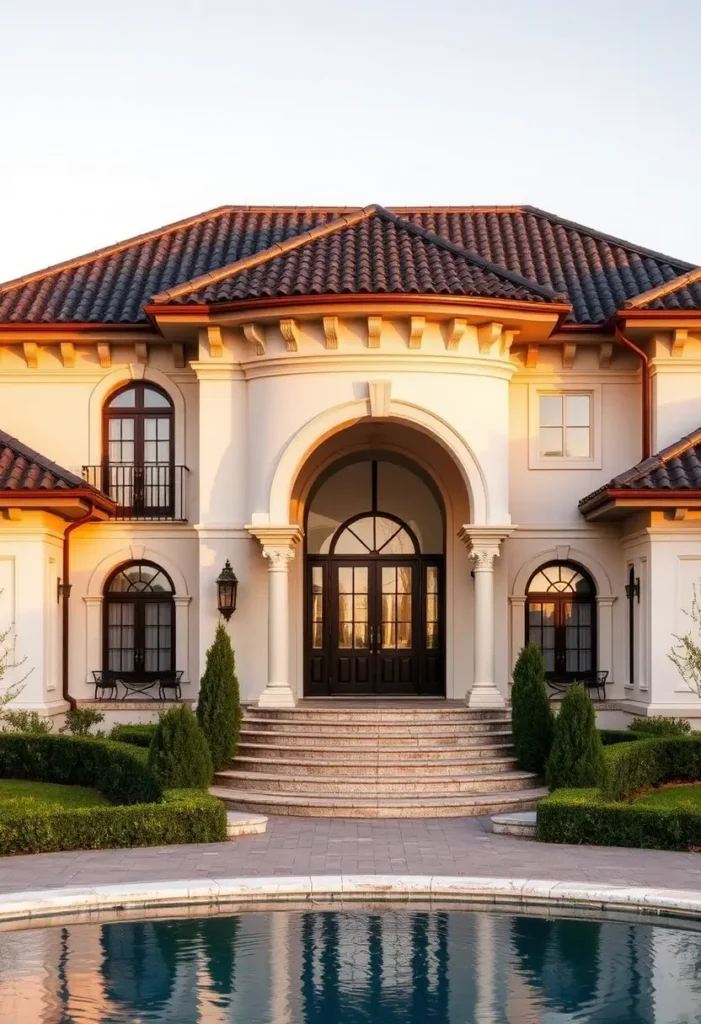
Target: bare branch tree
{"points": [[686, 653]]}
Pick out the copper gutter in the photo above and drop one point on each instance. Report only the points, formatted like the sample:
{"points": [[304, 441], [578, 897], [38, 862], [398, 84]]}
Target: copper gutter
{"points": [[87, 518], [647, 396]]}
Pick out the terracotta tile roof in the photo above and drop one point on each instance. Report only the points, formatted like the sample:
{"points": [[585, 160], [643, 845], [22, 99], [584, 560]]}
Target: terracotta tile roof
{"points": [[597, 272], [23, 469], [683, 292], [675, 468], [372, 251]]}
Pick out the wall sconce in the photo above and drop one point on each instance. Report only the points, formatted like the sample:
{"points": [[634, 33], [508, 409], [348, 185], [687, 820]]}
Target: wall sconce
{"points": [[227, 587], [63, 590], [633, 588]]}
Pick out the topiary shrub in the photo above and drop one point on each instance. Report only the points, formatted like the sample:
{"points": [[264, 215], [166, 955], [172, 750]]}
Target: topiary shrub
{"points": [[658, 725], [178, 753], [577, 756], [631, 767], [218, 704], [531, 714], [138, 735]]}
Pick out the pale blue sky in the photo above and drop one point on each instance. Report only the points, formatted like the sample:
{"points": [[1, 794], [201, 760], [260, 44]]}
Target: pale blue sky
{"points": [[118, 117]]}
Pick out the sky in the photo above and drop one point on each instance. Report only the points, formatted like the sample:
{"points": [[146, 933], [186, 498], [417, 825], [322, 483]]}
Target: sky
{"points": [[119, 117]]}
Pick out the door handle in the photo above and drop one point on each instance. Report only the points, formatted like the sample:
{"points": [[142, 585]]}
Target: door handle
{"points": [[372, 639]]}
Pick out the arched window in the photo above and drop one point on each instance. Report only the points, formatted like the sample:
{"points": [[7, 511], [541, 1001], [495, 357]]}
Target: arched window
{"points": [[561, 619], [374, 535], [138, 451], [139, 615]]}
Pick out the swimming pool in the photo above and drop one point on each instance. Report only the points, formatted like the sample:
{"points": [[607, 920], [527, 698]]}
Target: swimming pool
{"points": [[353, 966]]}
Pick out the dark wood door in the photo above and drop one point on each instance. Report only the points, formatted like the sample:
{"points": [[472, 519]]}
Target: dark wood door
{"points": [[564, 629], [397, 625]]}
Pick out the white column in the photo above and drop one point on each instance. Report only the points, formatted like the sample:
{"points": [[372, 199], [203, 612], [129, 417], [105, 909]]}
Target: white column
{"points": [[278, 547], [483, 544]]}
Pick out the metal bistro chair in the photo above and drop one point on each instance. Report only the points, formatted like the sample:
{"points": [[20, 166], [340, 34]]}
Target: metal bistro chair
{"points": [[170, 681], [597, 682], [105, 679]]}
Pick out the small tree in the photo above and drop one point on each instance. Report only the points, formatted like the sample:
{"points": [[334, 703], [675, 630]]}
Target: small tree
{"points": [[531, 713], [577, 757], [686, 653], [218, 704], [179, 754], [8, 693]]}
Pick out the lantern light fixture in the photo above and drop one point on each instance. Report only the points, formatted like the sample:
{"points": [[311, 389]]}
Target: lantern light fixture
{"points": [[63, 590], [227, 587], [633, 588]]}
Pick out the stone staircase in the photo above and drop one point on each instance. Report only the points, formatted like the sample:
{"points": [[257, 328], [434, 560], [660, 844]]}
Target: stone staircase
{"points": [[376, 759]]}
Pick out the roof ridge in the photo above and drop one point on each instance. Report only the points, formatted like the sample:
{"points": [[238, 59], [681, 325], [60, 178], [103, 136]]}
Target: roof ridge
{"points": [[613, 239], [109, 250], [473, 257], [255, 259], [19, 448], [662, 290]]}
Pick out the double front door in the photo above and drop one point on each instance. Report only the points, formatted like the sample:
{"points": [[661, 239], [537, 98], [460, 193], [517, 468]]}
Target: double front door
{"points": [[374, 627]]}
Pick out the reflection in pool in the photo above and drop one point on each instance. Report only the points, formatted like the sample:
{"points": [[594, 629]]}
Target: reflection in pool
{"points": [[394, 966]]}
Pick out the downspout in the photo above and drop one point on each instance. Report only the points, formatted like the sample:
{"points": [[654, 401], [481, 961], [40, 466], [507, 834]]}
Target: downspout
{"points": [[88, 517], [647, 395]]}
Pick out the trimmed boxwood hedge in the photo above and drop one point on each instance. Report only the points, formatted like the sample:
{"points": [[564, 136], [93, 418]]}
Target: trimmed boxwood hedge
{"points": [[582, 816], [184, 816], [119, 771], [138, 735], [630, 767], [609, 737]]}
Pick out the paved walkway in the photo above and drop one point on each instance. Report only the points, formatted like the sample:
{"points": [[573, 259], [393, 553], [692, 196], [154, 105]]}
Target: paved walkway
{"points": [[322, 846]]}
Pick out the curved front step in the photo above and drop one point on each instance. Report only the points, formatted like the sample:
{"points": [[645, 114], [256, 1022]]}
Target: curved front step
{"points": [[466, 805], [369, 768], [358, 716], [372, 739], [370, 754], [380, 786], [406, 726]]}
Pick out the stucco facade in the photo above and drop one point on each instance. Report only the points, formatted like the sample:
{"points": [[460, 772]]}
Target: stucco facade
{"points": [[267, 398]]}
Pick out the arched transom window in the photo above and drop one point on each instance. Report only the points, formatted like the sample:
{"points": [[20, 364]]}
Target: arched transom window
{"points": [[139, 619], [374, 535], [561, 619]]}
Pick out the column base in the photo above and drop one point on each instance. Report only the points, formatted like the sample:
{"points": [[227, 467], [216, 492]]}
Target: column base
{"points": [[485, 695], [277, 697]]}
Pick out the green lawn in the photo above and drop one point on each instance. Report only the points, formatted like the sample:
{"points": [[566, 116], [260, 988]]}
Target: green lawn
{"points": [[43, 794], [672, 798]]}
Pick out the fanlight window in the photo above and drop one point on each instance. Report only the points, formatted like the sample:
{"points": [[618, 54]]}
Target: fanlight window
{"points": [[141, 578], [139, 619], [559, 579], [374, 535]]}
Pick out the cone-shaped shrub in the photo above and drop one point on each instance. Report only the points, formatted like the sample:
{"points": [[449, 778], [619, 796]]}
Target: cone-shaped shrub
{"points": [[577, 757], [218, 705], [179, 754], [531, 713]]}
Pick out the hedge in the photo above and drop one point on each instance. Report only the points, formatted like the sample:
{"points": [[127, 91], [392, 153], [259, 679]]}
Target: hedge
{"points": [[115, 769], [609, 737], [184, 816], [630, 767], [582, 816], [138, 735]]}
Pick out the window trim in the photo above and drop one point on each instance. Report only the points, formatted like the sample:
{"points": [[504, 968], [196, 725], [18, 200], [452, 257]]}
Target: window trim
{"points": [[538, 461], [110, 598]]}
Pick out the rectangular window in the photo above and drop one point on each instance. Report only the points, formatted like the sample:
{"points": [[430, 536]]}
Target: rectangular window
{"points": [[564, 426]]}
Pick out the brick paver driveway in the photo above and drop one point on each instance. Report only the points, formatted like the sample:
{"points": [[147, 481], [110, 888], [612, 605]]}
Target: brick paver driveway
{"points": [[303, 846]]}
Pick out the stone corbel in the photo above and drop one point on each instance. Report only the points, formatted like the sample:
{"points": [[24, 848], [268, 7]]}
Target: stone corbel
{"points": [[289, 329], [508, 339], [489, 335], [679, 339], [31, 354], [331, 331], [531, 356], [456, 329], [68, 354], [215, 341], [104, 354], [569, 352], [255, 335], [417, 325], [141, 349], [605, 354], [374, 331]]}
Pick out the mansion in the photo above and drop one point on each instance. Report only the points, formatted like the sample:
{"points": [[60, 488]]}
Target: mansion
{"points": [[420, 437]]}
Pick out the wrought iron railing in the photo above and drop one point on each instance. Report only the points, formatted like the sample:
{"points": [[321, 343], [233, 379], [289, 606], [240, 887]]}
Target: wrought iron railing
{"points": [[151, 491]]}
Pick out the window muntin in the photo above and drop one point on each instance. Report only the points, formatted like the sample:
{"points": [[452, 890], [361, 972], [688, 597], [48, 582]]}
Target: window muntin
{"points": [[139, 621], [374, 535], [561, 620], [559, 578], [138, 453], [564, 426]]}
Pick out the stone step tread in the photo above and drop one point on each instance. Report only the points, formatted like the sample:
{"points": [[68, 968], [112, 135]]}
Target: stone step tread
{"points": [[406, 762], [377, 720], [387, 717], [378, 734], [417, 780], [310, 800], [472, 749]]}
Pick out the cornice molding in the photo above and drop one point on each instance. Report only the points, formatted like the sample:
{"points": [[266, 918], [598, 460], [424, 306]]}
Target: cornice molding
{"points": [[384, 362]]}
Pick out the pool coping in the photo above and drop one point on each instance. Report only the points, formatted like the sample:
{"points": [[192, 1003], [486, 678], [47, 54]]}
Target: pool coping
{"points": [[35, 905]]}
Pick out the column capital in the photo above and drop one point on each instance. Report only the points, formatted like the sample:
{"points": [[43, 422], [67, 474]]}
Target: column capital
{"points": [[278, 543], [483, 543]]}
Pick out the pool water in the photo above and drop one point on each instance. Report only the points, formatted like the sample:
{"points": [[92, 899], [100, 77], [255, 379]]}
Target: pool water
{"points": [[393, 966]]}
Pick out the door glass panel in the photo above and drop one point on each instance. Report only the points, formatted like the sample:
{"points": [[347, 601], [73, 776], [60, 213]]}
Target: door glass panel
{"points": [[121, 636], [353, 607], [396, 624], [317, 607], [431, 607]]}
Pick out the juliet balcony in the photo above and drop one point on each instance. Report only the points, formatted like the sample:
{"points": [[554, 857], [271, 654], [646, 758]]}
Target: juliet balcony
{"points": [[154, 492]]}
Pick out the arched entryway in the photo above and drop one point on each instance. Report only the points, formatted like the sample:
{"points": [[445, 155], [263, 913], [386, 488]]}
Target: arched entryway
{"points": [[374, 609]]}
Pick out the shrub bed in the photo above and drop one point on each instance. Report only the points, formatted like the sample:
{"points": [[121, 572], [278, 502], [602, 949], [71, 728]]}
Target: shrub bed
{"points": [[119, 771], [630, 767], [138, 735], [183, 816], [583, 816], [609, 737]]}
